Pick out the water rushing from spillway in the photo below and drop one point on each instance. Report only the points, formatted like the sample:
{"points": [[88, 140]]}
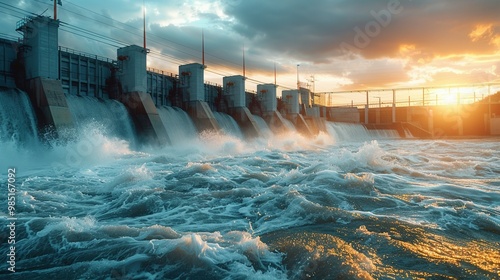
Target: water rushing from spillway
{"points": [[17, 118], [263, 127], [228, 124], [347, 204], [178, 124], [110, 114]]}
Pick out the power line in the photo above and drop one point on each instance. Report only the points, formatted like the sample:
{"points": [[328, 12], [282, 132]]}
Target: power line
{"points": [[182, 49], [114, 42], [152, 37], [128, 27], [79, 31], [16, 9], [161, 38], [91, 38]]}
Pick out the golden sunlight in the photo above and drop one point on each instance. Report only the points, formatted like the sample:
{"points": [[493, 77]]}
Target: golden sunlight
{"points": [[480, 30], [446, 97]]}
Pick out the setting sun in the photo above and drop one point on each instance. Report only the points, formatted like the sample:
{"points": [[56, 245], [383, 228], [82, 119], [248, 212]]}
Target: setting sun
{"points": [[181, 139]]}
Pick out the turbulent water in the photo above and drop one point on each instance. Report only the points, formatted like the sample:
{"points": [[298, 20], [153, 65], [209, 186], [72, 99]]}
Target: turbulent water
{"points": [[283, 207], [109, 116]]}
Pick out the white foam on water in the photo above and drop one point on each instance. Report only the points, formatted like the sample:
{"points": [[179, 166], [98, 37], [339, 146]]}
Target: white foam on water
{"points": [[200, 207], [91, 147], [241, 254], [111, 115]]}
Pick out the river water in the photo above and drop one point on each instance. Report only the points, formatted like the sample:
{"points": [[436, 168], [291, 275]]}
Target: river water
{"points": [[216, 206]]}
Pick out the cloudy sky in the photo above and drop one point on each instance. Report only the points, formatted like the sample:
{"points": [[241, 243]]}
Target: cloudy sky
{"points": [[344, 44]]}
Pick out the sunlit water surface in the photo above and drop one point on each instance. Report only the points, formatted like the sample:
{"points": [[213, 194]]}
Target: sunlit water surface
{"points": [[285, 207]]}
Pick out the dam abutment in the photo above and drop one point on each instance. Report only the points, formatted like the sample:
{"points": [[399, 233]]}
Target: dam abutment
{"points": [[132, 64], [50, 103], [191, 83], [51, 75], [38, 52]]}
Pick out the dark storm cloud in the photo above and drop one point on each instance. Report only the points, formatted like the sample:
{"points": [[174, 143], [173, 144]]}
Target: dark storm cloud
{"points": [[362, 42], [316, 30], [294, 28], [222, 52]]}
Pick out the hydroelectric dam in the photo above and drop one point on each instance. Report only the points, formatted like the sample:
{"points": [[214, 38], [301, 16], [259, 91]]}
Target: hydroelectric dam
{"points": [[59, 89], [116, 171]]}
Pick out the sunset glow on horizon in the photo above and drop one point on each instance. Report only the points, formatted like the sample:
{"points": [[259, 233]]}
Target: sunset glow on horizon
{"points": [[355, 45]]}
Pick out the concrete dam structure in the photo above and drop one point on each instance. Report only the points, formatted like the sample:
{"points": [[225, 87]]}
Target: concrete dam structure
{"points": [[59, 80], [113, 170], [157, 101]]}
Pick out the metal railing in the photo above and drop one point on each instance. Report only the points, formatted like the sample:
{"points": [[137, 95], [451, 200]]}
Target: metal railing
{"points": [[84, 54], [407, 97], [161, 72]]}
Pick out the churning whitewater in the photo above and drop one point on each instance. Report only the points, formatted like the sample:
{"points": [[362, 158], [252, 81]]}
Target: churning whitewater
{"points": [[348, 204]]}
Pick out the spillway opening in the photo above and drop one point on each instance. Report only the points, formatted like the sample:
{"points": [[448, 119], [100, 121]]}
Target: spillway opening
{"points": [[18, 122], [108, 115]]}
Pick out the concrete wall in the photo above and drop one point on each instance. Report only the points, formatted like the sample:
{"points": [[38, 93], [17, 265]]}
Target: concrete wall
{"points": [[267, 95], [162, 88], [191, 81], [132, 64], [84, 74], [41, 39], [234, 90], [7, 56], [305, 97], [343, 114], [495, 126], [312, 112], [213, 96], [291, 100], [47, 96]]}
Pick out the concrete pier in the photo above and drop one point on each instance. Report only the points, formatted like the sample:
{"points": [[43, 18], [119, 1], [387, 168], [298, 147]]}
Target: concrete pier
{"points": [[191, 78], [234, 91], [301, 124], [246, 121], [316, 124], [202, 116], [267, 95], [275, 121], [291, 98], [47, 96], [132, 63], [41, 47], [41, 61], [150, 129]]}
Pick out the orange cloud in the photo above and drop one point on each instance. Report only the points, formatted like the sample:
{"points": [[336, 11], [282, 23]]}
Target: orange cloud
{"points": [[485, 32], [481, 31]]}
